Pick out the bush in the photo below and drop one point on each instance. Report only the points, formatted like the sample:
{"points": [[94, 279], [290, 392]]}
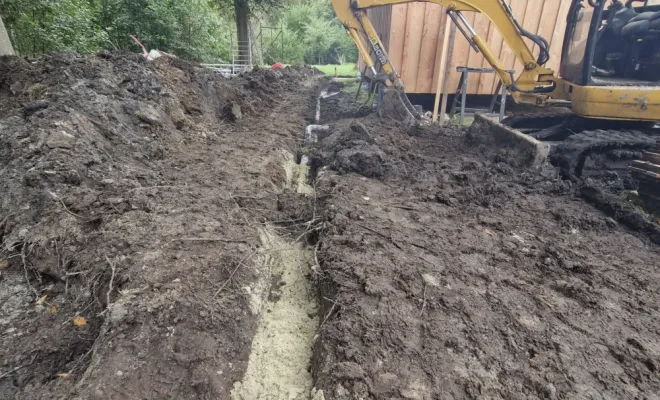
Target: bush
{"points": [[196, 30], [313, 34], [191, 29], [38, 26]]}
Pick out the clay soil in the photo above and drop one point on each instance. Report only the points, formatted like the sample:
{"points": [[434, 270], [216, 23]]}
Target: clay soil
{"points": [[133, 196], [453, 268]]}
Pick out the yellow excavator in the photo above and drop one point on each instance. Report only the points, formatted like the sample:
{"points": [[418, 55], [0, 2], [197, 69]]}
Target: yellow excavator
{"points": [[609, 74]]}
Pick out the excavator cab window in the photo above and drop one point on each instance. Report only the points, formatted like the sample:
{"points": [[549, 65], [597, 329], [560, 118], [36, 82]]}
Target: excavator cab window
{"points": [[576, 40], [612, 43]]}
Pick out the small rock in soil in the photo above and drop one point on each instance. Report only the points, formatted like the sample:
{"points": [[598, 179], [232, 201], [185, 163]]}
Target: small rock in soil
{"points": [[232, 112], [34, 106], [444, 198], [178, 117], [60, 140], [149, 115]]}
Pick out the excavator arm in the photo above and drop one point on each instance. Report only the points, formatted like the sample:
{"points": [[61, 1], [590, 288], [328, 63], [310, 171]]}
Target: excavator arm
{"points": [[533, 85]]}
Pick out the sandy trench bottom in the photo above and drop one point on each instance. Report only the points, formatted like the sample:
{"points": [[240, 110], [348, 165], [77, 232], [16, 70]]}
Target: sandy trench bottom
{"points": [[288, 308]]}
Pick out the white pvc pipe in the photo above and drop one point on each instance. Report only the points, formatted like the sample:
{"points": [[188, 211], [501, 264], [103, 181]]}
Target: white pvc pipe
{"points": [[312, 137], [324, 95]]}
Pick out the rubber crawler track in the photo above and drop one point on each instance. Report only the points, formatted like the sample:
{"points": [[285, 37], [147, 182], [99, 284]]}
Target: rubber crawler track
{"points": [[571, 154]]}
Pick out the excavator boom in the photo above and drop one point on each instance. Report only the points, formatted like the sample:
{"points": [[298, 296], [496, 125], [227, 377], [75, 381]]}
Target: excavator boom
{"points": [[532, 86]]}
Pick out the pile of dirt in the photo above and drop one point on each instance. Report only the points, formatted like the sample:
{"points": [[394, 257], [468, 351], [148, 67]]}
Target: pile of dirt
{"points": [[158, 238], [131, 194], [464, 271]]}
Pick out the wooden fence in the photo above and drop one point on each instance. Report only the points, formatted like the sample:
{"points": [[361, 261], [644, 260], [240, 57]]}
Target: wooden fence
{"points": [[413, 33]]}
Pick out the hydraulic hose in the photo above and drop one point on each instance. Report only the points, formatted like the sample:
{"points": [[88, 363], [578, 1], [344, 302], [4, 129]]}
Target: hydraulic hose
{"points": [[544, 46]]}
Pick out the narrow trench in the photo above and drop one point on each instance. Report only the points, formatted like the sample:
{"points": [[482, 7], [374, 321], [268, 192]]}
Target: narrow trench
{"points": [[287, 304]]}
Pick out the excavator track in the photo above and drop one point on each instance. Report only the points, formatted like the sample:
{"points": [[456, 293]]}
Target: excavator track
{"points": [[647, 172], [616, 148], [574, 139], [571, 154]]}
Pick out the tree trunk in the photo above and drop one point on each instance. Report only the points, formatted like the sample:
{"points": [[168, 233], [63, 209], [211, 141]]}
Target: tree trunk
{"points": [[242, 10]]}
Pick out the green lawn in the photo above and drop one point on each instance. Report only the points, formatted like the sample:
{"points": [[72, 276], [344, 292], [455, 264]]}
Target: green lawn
{"points": [[342, 70], [467, 120]]}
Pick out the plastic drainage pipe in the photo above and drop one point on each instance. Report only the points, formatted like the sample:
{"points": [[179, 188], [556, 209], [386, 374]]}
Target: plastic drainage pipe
{"points": [[324, 95], [312, 137]]}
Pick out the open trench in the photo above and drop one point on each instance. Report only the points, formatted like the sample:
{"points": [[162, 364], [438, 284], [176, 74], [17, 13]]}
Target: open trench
{"points": [[285, 298], [423, 265], [137, 260]]}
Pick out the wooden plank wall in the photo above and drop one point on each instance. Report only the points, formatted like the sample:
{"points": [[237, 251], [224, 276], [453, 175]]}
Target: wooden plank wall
{"points": [[413, 38]]}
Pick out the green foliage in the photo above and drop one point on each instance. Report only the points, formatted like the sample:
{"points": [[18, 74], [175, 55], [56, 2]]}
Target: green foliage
{"points": [[191, 29], [341, 70], [198, 30], [313, 34], [48, 25], [293, 49]]}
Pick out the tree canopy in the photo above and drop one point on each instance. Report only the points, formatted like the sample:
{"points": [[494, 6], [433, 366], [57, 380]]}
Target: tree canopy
{"points": [[192, 29], [198, 30], [312, 33]]}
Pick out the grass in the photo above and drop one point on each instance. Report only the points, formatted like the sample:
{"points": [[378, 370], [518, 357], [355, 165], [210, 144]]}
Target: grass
{"points": [[467, 120], [351, 88], [342, 70]]}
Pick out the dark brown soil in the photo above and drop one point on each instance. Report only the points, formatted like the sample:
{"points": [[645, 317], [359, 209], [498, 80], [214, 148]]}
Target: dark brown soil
{"points": [[462, 272], [336, 107], [130, 196]]}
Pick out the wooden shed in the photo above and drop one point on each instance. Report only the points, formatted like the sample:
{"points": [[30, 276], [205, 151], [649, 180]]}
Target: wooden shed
{"points": [[413, 33]]}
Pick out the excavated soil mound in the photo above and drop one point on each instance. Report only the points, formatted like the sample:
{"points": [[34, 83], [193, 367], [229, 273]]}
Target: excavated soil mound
{"points": [[464, 272], [155, 231], [131, 193]]}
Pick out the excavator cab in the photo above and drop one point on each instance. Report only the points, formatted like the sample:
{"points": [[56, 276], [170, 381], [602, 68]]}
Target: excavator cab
{"points": [[612, 43]]}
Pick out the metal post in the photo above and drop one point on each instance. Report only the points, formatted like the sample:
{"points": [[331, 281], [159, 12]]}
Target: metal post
{"points": [[379, 98], [503, 102], [493, 101], [464, 78], [5, 44]]}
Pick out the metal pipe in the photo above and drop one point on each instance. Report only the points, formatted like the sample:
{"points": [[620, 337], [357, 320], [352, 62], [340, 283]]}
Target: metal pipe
{"points": [[460, 28], [467, 24]]}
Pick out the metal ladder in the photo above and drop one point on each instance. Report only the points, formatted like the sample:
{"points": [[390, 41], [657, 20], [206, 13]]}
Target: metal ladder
{"points": [[461, 95]]}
